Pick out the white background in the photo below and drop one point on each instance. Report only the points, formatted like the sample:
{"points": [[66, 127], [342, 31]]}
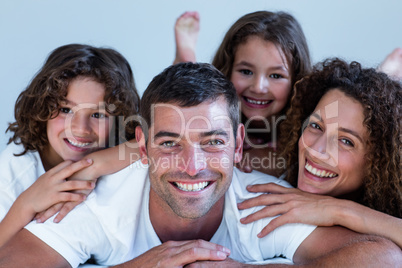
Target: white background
{"points": [[142, 30]]}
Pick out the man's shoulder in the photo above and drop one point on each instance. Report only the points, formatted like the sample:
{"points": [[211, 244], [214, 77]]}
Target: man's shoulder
{"points": [[126, 181], [256, 177], [241, 180]]}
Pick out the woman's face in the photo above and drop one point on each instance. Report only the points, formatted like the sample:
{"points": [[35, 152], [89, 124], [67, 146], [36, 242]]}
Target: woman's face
{"points": [[333, 147], [261, 77]]}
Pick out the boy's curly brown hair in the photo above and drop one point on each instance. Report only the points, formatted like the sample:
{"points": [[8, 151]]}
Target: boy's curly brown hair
{"points": [[381, 100], [41, 100]]}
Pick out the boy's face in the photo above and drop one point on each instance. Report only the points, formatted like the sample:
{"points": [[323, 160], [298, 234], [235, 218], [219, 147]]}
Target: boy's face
{"points": [[82, 125], [190, 152]]}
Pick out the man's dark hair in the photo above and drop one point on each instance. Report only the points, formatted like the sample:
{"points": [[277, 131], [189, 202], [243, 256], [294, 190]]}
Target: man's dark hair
{"points": [[189, 84]]}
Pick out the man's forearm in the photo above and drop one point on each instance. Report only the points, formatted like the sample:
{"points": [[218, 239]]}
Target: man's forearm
{"points": [[26, 250]]}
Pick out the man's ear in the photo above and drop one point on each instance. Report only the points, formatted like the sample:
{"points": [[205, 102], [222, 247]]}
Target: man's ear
{"points": [[140, 137], [239, 143]]}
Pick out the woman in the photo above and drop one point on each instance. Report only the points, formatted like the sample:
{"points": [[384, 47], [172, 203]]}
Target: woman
{"points": [[349, 120]]}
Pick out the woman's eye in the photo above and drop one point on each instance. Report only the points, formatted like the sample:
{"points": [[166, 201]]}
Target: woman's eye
{"points": [[315, 125], [246, 72], [347, 142], [276, 76], [65, 110]]}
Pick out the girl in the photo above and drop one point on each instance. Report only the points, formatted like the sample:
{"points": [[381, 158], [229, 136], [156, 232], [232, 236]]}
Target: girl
{"points": [[264, 54], [66, 112], [349, 148]]}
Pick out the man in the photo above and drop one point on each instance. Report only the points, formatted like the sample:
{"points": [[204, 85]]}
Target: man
{"points": [[182, 208]]}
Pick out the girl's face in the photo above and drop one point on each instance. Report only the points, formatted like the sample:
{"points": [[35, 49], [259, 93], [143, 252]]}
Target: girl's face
{"points": [[82, 125], [333, 147], [261, 77]]}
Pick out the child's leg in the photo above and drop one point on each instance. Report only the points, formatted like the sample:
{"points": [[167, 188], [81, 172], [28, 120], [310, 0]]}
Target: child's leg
{"points": [[392, 65], [186, 33]]}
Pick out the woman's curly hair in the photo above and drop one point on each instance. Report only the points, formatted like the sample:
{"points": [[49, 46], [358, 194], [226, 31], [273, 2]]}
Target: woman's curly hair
{"points": [[381, 100], [41, 100]]}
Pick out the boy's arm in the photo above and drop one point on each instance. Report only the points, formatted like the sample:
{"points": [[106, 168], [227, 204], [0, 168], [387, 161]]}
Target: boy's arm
{"points": [[49, 189], [110, 160], [105, 162]]}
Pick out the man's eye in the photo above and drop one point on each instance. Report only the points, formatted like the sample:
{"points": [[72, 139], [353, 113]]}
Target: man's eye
{"points": [[65, 110], [215, 142], [169, 144]]}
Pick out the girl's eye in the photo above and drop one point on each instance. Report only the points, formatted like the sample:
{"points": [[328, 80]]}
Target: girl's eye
{"points": [[276, 76], [99, 115], [65, 110], [246, 72], [347, 142]]}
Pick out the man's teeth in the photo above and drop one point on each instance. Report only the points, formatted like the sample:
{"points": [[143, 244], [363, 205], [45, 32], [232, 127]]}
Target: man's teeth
{"points": [[78, 144], [192, 187], [257, 102], [319, 173]]}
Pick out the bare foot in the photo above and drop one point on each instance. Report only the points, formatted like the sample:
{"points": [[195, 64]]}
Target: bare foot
{"points": [[186, 32], [392, 65]]}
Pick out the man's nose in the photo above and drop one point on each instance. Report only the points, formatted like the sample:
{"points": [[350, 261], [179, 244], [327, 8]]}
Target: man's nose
{"points": [[193, 161]]}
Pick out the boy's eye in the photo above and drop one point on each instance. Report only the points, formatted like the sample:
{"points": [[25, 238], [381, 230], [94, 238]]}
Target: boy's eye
{"points": [[276, 76], [65, 110], [246, 72], [99, 115]]}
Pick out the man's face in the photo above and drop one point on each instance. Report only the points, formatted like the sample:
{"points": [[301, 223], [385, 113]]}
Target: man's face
{"points": [[190, 152]]}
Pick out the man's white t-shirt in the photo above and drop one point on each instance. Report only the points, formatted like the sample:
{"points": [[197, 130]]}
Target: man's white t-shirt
{"points": [[113, 225]]}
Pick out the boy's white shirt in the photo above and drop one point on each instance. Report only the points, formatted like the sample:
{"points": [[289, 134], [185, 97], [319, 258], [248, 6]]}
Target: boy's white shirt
{"points": [[17, 174]]}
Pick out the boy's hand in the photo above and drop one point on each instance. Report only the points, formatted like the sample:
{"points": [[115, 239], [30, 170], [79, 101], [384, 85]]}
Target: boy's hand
{"points": [[53, 187]]}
